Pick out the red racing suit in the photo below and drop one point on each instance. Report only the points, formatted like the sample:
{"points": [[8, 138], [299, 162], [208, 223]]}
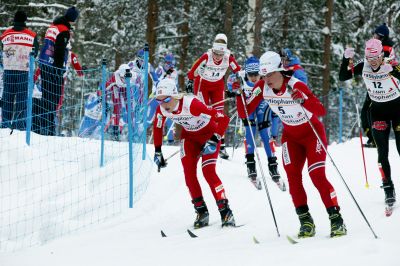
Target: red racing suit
{"points": [[299, 142], [199, 123]]}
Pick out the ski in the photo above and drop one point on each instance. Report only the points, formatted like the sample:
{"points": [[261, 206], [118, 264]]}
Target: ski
{"points": [[193, 235], [257, 183], [291, 240]]}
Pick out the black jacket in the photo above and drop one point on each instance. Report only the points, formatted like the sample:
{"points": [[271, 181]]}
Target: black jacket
{"points": [[60, 46]]}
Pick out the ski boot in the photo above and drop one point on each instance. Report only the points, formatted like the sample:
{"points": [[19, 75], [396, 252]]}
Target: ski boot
{"points": [[390, 194], [202, 213], [370, 144], [273, 172], [252, 172], [338, 228], [226, 213], [307, 226]]}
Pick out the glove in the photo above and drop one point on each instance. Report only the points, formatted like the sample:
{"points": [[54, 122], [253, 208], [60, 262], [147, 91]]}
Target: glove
{"points": [[211, 145], [169, 71], [349, 53], [189, 86], [387, 68], [298, 96], [159, 160]]}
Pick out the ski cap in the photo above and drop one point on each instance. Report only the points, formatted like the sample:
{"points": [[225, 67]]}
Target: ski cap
{"points": [[167, 87], [219, 48], [270, 62], [252, 65], [221, 36], [382, 31], [169, 61], [373, 48]]}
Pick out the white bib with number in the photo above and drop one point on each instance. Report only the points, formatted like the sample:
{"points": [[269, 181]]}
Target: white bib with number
{"points": [[213, 72]]}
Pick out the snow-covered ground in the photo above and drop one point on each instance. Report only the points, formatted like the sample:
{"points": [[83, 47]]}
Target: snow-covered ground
{"points": [[134, 238]]}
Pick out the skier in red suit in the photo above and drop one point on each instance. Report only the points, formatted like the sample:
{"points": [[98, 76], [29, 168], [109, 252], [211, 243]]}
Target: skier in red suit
{"points": [[200, 137], [296, 105], [206, 77]]}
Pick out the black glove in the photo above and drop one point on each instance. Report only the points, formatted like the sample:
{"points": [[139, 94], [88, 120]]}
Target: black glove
{"points": [[189, 86], [230, 94], [159, 159], [169, 71]]}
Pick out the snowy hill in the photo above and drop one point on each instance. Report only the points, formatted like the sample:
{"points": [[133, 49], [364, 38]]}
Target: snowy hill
{"points": [[135, 239]]}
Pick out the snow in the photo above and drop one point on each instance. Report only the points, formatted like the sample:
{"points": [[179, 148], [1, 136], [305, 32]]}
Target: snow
{"points": [[134, 237]]}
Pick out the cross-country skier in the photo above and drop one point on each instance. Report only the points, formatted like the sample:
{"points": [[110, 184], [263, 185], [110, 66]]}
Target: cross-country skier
{"points": [[200, 137], [383, 87], [296, 105], [263, 113], [381, 33], [91, 122], [206, 77], [292, 63]]}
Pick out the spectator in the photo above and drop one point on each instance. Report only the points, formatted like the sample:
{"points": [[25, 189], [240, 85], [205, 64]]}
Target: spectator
{"points": [[53, 59], [17, 42]]}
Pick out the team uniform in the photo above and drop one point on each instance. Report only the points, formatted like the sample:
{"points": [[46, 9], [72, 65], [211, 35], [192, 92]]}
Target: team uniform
{"points": [[299, 142], [207, 77], [18, 42], [383, 88], [91, 123], [200, 125]]}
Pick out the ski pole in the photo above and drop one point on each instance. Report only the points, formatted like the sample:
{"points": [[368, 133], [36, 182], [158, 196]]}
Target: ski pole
{"points": [[260, 165], [234, 136], [172, 155], [337, 170], [359, 128], [362, 146]]}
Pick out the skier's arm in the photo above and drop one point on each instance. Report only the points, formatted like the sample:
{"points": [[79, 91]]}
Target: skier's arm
{"points": [[193, 71], [233, 64], [197, 108], [76, 65], [311, 102], [252, 102], [396, 72], [158, 126], [345, 73]]}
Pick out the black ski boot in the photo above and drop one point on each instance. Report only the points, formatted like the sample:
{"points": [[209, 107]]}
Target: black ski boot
{"points": [[222, 151], [202, 213], [251, 171], [307, 226], [226, 213], [273, 172], [390, 194], [338, 228], [251, 166]]}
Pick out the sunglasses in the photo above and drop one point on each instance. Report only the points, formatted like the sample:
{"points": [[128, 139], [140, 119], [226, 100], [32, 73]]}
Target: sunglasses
{"points": [[373, 58], [218, 53], [166, 100]]}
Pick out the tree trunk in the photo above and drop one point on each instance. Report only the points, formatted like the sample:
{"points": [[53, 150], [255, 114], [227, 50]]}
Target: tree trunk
{"points": [[228, 19], [327, 55], [257, 51], [184, 45], [285, 33], [250, 28], [152, 21]]}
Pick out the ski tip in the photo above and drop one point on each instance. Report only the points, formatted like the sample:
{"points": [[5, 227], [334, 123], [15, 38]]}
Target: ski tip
{"points": [[163, 234], [255, 240], [291, 240], [191, 234]]}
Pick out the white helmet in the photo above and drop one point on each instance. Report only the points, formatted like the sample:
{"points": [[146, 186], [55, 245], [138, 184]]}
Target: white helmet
{"points": [[120, 75], [166, 87], [221, 36], [270, 62]]}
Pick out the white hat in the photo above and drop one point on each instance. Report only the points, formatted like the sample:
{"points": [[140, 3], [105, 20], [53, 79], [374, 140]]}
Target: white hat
{"points": [[167, 87], [120, 75], [270, 62], [221, 36]]}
